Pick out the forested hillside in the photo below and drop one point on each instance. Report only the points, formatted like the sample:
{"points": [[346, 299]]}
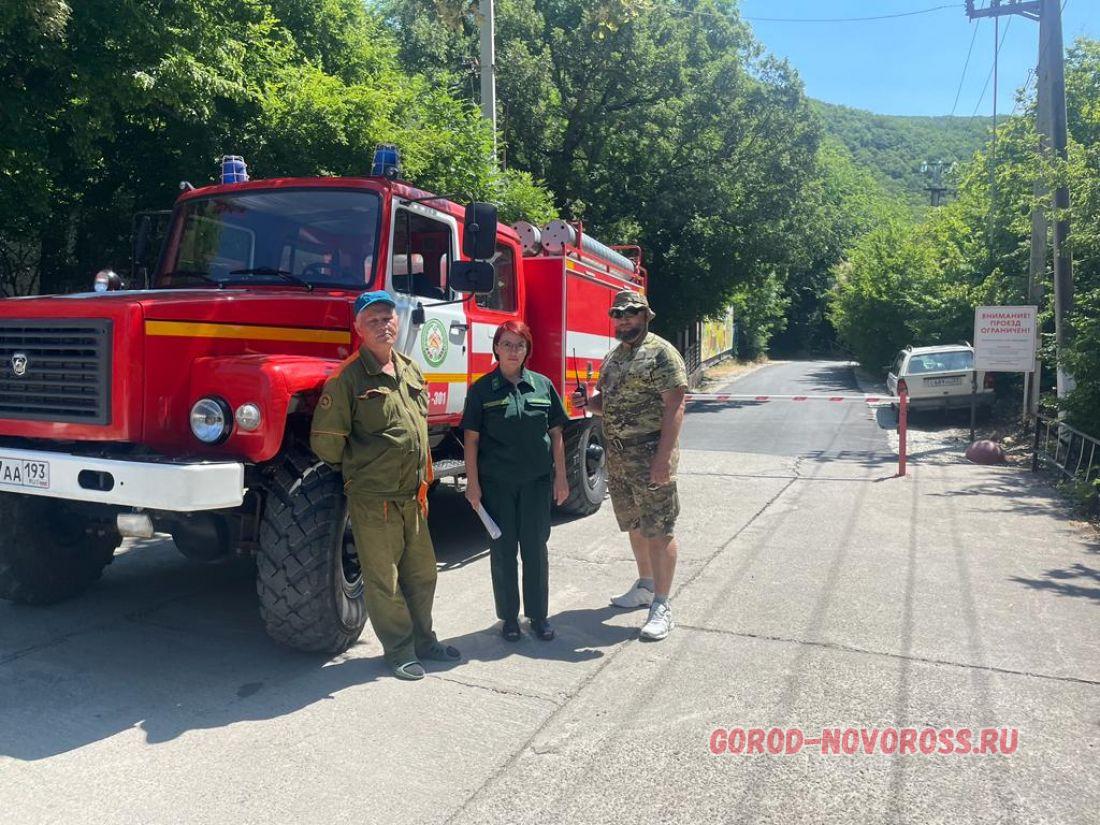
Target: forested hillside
{"points": [[894, 147], [918, 282]]}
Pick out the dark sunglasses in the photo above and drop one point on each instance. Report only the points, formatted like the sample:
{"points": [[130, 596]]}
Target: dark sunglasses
{"points": [[625, 313]]}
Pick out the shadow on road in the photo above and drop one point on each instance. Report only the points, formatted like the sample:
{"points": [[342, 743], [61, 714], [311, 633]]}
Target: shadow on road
{"points": [[1061, 582], [1027, 494], [698, 407], [165, 646], [833, 377], [579, 635]]}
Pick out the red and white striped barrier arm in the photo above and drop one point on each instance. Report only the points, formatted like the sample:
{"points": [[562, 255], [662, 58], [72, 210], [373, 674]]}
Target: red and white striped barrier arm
{"points": [[901, 401], [839, 399]]}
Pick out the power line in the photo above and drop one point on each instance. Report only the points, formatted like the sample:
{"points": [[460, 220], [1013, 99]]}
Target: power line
{"points": [[694, 13], [1032, 73], [965, 66], [848, 19], [989, 76]]}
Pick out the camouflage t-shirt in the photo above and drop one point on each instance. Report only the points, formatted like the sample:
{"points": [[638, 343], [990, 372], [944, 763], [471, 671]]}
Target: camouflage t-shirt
{"points": [[631, 382]]}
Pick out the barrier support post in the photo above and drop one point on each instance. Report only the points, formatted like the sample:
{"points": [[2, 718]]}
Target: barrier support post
{"points": [[903, 429]]}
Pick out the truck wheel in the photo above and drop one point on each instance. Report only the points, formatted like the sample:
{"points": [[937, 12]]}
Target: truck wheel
{"points": [[47, 552], [585, 467], [307, 570]]}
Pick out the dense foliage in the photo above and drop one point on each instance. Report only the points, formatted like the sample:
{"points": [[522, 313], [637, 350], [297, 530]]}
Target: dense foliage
{"points": [[918, 284], [106, 106], [661, 123]]}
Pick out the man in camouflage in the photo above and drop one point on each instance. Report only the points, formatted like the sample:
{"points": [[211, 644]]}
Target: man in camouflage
{"points": [[371, 422], [640, 394]]}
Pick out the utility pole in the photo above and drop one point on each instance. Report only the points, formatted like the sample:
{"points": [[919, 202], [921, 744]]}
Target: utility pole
{"points": [[1050, 28], [1051, 125], [935, 169], [488, 67]]}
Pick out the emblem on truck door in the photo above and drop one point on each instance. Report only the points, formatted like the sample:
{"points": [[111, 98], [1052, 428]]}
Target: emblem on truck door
{"points": [[19, 364], [433, 342]]}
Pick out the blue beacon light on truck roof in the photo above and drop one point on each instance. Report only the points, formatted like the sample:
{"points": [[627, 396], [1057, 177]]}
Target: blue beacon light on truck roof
{"points": [[387, 162], [234, 169]]}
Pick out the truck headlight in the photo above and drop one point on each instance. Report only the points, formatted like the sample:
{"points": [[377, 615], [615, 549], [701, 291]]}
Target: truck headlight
{"points": [[248, 417], [211, 420]]}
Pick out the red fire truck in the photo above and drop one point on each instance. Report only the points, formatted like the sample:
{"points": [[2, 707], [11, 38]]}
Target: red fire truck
{"points": [[183, 406]]}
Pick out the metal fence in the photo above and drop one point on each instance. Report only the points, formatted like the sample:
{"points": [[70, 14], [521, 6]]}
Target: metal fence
{"points": [[1065, 448], [692, 358]]}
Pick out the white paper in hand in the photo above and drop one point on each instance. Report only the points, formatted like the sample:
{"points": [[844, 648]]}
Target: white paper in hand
{"points": [[487, 520]]}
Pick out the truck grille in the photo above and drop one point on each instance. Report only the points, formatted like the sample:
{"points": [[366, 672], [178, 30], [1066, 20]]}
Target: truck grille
{"points": [[54, 370]]}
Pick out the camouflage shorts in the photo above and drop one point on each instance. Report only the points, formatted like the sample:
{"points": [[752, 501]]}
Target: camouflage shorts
{"points": [[638, 506]]}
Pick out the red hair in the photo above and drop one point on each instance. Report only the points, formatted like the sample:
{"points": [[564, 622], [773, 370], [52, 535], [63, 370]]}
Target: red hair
{"points": [[516, 328]]}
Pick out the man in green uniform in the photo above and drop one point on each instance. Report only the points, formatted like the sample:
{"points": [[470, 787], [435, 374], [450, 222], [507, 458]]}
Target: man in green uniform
{"points": [[371, 422], [640, 394]]}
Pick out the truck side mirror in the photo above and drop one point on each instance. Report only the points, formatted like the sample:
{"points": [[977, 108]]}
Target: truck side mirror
{"points": [[141, 236], [479, 234], [138, 272], [471, 276], [148, 232]]}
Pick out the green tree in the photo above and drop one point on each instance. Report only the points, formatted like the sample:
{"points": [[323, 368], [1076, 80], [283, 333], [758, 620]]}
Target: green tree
{"points": [[107, 106], [659, 123], [842, 202]]}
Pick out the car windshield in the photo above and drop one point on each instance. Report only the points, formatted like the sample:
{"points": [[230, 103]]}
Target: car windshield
{"points": [[941, 362], [305, 237]]}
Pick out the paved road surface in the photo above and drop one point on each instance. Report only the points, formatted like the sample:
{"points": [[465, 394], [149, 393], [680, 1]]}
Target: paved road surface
{"points": [[817, 429], [814, 590]]}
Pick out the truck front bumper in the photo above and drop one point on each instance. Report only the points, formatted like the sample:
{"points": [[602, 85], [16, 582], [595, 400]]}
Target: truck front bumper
{"points": [[155, 485]]}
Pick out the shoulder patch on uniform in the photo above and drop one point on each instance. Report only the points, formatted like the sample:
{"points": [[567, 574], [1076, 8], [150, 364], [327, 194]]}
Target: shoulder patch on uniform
{"points": [[325, 402]]}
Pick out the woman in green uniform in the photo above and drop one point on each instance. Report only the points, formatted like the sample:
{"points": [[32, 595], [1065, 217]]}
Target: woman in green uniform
{"points": [[515, 461]]}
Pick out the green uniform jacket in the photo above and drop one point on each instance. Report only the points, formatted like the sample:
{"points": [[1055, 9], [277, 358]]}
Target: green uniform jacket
{"points": [[513, 425], [374, 427]]}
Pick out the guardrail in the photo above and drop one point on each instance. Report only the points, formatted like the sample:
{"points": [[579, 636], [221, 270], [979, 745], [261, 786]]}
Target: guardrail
{"points": [[1073, 450], [902, 402]]}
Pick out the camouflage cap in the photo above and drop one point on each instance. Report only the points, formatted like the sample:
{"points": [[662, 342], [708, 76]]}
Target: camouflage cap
{"points": [[629, 299]]}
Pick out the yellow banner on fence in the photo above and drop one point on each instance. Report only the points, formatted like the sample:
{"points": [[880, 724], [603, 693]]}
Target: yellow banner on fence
{"points": [[717, 337]]}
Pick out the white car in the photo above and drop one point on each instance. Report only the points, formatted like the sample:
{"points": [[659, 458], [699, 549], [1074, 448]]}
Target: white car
{"points": [[939, 378]]}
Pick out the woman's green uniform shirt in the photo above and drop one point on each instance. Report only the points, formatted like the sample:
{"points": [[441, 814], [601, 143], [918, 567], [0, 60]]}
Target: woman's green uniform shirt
{"points": [[513, 424]]}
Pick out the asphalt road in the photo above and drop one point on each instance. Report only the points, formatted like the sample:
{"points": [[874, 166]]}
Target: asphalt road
{"points": [[814, 591], [815, 429]]}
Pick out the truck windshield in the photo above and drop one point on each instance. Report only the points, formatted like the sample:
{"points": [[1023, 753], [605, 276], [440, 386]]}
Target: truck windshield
{"points": [[319, 237]]}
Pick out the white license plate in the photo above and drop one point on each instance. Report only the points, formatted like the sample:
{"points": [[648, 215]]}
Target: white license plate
{"points": [[21, 472], [943, 382]]}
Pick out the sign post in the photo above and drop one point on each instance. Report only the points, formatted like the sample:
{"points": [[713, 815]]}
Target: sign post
{"points": [[1005, 340]]}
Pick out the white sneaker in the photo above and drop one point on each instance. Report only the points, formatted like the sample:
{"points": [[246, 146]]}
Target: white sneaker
{"points": [[636, 596], [659, 623]]}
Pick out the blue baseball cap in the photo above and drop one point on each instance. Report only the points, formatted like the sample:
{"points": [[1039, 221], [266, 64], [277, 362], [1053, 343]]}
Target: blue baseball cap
{"points": [[377, 296]]}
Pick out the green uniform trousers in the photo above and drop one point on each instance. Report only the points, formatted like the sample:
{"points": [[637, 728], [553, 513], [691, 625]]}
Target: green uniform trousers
{"points": [[522, 511], [398, 562]]}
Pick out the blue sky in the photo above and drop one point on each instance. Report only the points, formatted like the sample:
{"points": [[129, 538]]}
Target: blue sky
{"points": [[910, 65]]}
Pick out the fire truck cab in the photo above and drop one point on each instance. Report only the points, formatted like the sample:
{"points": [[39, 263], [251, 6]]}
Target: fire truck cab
{"points": [[183, 406]]}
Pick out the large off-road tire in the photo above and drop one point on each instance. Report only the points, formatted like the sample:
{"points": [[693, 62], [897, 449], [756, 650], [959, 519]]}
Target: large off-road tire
{"points": [[48, 552], [307, 571], [585, 467]]}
